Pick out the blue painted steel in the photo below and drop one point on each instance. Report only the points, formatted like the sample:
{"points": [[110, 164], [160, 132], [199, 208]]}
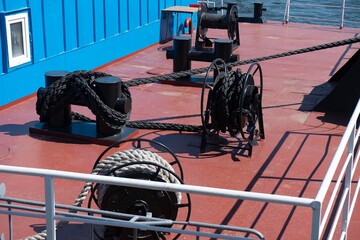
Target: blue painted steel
{"points": [[77, 34]]}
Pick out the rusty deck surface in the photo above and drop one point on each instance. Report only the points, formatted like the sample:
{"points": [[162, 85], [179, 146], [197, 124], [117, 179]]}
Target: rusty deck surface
{"points": [[292, 160]]}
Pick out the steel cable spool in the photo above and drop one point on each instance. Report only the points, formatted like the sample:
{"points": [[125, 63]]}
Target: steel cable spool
{"points": [[207, 21], [138, 163], [234, 103]]}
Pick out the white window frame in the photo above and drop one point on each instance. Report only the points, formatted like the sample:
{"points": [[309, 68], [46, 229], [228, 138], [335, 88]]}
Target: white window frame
{"points": [[24, 20]]}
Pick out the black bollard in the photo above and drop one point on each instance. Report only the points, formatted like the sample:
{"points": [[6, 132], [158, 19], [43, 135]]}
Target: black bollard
{"points": [[258, 9], [181, 49], [223, 49], [109, 91], [62, 117]]}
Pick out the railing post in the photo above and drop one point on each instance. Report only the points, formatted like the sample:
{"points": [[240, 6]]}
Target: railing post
{"points": [[287, 11], [347, 181], [342, 14], [50, 208], [316, 220]]}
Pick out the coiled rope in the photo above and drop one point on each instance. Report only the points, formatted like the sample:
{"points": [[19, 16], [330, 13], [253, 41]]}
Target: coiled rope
{"points": [[133, 161], [225, 103], [139, 157]]}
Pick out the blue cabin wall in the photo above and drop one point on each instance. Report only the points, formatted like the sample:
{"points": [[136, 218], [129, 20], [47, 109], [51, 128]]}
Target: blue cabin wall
{"points": [[76, 34]]}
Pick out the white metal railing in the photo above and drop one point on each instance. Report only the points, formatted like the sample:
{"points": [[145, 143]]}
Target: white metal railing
{"points": [[341, 8], [346, 206], [346, 150]]}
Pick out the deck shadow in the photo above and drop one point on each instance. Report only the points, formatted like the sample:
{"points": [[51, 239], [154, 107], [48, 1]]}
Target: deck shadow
{"points": [[260, 175]]}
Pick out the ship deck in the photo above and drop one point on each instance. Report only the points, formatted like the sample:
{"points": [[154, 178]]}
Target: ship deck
{"points": [[291, 160]]}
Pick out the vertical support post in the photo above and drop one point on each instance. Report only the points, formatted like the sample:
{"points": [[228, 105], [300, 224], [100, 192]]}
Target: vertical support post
{"points": [[50, 208], [347, 181], [62, 118], [258, 9], [342, 14], [287, 11], [2, 194], [11, 230], [181, 48], [316, 220]]}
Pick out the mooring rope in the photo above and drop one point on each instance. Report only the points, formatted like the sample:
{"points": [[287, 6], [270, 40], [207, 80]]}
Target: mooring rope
{"points": [[64, 91], [188, 73], [116, 120], [225, 105]]}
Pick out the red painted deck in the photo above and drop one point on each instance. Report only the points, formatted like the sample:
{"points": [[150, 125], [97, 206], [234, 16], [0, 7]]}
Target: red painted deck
{"points": [[292, 160]]}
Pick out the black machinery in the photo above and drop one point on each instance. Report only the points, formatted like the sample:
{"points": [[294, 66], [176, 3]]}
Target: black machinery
{"points": [[206, 21], [207, 49], [106, 96], [233, 105], [127, 202]]}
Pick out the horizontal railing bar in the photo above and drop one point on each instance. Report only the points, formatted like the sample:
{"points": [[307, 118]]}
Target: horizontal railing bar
{"points": [[314, 5], [356, 8], [23, 214], [263, 197], [154, 220], [225, 227], [69, 216], [348, 21], [310, 18], [12, 206], [139, 225], [70, 208]]}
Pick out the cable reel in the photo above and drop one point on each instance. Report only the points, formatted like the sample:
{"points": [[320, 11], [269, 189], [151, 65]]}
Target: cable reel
{"points": [[226, 21], [233, 104], [139, 163]]}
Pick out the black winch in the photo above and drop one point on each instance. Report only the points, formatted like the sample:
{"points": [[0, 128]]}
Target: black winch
{"points": [[207, 20], [138, 163], [233, 104]]}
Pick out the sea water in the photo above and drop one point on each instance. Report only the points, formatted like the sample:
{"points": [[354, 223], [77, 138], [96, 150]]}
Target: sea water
{"points": [[329, 14]]}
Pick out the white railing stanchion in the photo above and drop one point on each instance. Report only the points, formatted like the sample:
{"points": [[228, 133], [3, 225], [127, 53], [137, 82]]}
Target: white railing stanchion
{"points": [[316, 220], [347, 182], [287, 11], [50, 207], [342, 14]]}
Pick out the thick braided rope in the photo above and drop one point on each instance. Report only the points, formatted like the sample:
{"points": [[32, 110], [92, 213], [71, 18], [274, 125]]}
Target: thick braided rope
{"points": [[176, 75], [64, 91], [117, 120], [225, 106], [164, 126]]}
